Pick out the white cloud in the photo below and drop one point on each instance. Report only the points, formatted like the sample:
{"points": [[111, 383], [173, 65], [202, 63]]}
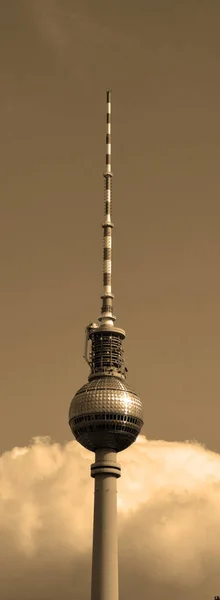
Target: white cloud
{"points": [[169, 520]]}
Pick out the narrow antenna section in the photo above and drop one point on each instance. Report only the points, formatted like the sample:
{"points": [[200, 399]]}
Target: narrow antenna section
{"points": [[107, 317], [103, 343]]}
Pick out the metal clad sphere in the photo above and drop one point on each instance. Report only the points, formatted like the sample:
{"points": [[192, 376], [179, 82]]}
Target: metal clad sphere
{"points": [[106, 412]]}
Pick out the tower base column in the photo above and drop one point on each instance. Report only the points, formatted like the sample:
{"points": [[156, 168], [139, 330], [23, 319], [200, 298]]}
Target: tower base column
{"points": [[105, 536]]}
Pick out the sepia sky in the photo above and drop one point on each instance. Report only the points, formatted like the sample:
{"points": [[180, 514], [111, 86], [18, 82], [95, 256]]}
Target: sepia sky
{"points": [[161, 60]]}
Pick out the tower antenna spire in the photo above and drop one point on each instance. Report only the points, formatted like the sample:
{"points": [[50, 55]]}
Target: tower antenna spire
{"points": [[107, 317]]}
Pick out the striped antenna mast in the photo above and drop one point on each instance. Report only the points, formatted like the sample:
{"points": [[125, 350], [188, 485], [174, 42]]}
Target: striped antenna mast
{"points": [[107, 317], [106, 339]]}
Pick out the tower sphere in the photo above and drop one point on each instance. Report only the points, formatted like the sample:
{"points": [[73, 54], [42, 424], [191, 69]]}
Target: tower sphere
{"points": [[106, 413]]}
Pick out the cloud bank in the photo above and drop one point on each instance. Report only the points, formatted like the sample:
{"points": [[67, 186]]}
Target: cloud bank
{"points": [[169, 521]]}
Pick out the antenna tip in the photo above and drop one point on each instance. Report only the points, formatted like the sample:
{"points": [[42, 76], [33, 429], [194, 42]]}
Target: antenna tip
{"points": [[108, 93]]}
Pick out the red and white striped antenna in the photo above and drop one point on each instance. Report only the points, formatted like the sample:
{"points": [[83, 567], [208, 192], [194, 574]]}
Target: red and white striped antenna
{"points": [[107, 317]]}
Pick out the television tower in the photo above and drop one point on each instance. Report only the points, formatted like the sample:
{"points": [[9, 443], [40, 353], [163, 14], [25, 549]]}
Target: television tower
{"points": [[105, 415]]}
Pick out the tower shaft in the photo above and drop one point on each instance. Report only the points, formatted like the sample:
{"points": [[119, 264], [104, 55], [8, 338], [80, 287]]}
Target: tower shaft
{"points": [[105, 538]]}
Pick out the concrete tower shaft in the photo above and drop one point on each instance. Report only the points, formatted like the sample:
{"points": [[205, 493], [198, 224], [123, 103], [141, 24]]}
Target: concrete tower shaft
{"points": [[105, 538]]}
